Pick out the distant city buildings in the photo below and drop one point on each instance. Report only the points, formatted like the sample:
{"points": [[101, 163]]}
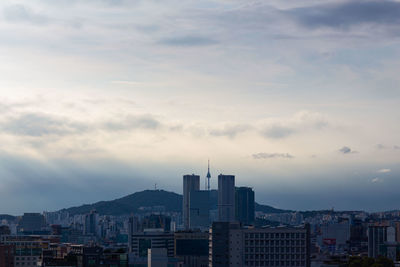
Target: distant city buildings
{"points": [[204, 228]]}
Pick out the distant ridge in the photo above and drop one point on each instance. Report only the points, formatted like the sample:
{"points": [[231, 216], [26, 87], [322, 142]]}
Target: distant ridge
{"points": [[148, 198], [131, 203]]}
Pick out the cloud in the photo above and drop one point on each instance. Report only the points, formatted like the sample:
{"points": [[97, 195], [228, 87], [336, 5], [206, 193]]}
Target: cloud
{"points": [[377, 180], [380, 146], [40, 124], [272, 155], [230, 130], [277, 131], [384, 170], [347, 150], [133, 122], [188, 41], [20, 13], [345, 14], [300, 122]]}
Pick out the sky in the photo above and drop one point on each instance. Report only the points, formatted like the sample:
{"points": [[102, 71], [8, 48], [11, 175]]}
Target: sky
{"points": [[103, 98]]}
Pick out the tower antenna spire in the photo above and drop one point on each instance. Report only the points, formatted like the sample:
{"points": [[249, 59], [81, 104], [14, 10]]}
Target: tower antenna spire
{"points": [[208, 176]]}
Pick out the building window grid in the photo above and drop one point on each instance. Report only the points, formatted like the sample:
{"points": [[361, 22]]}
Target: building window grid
{"points": [[294, 244]]}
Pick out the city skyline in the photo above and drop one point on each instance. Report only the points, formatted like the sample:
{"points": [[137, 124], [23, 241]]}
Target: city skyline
{"points": [[297, 99]]}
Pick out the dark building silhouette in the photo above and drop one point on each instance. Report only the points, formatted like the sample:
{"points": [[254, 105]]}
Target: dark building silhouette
{"points": [[219, 244], [199, 209], [377, 236], [244, 205], [56, 229], [190, 183], [192, 248], [91, 257], [358, 236], [31, 223], [5, 230], [226, 198], [91, 221], [6, 255]]}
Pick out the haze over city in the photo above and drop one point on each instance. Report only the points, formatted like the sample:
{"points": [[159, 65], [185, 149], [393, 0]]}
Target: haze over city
{"points": [[298, 99]]}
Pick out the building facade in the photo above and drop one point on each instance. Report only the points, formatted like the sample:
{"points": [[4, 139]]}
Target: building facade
{"points": [[199, 215], [226, 198], [140, 242], [231, 245], [190, 183], [27, 249], [31, 223], [192, 248], [6, 255], [244, 205], [377, 236]]}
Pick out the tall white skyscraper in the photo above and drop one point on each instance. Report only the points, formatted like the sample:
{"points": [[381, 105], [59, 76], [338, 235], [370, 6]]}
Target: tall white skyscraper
{"points": [[226, 198], [190, 183]]}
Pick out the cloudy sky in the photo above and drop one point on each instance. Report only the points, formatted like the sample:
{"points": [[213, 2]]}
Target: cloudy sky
{"points": [[103, 98]]}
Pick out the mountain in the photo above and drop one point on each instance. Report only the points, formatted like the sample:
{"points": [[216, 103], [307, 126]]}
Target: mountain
{"points": [[269, 209], [148, 198], [132, 203]]}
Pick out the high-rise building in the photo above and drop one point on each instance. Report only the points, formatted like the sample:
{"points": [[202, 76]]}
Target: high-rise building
{"points": [[219, 243], [336, 236], [199, 210], [157, 257], [226, 198], [190, 183], [244, 205], [377, 236], [141, 241], [31, 222], [91, 223], [231, 245], [191, 247]]}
